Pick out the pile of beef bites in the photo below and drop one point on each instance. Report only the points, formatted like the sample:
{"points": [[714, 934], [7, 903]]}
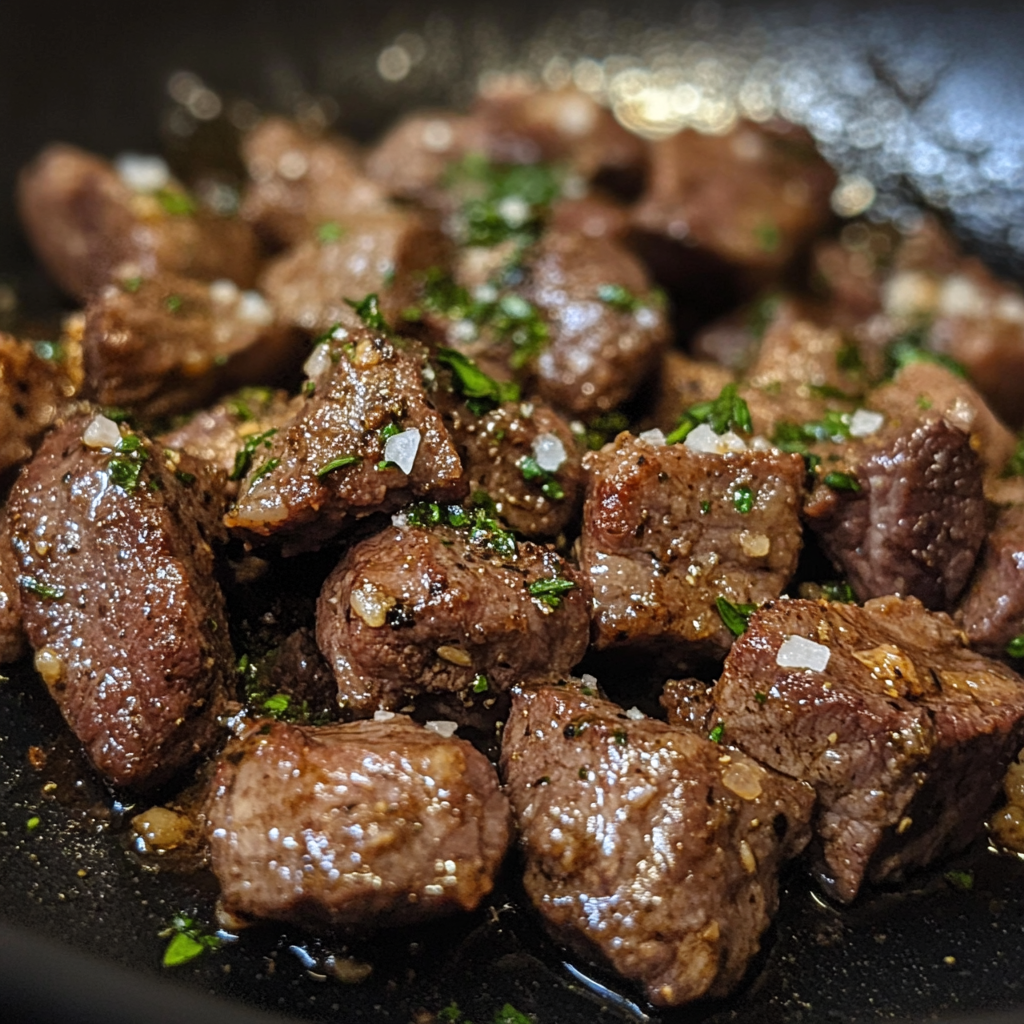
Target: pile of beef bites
{"points": [[507, 408]]}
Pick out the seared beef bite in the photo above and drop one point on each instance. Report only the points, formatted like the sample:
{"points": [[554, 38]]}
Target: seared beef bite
{"points": [[85, 221], [606, 328], [365, 439], [363, 825], [903, 731], [12, 637], [420, 609], [745, 202], [37, 382], [645, 845], [112, 537], [380, 252], [673, 534], [681, 382], [164, 344], [302, 183], [525, 457]]}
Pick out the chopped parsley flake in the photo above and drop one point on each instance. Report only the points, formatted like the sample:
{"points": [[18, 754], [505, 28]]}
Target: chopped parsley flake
{"points": [[760, 696], [550, 591], [480, 519], [126, 462], [768, 236], [340, 463], [909, 347], [173, 303], [963, 880], [1015, 648], [277, 705], [175, 202], [743, 499], [131, 284], [329, 231], [717, 732], [1015, 463], [188, 941], [726, 412], [240, 404], [841, 482], [368, 310], [47, 591], [243, 458], [188, 479], [508, 1014], [482, 393], [735, 616], [480, 684], [549, 485], [602, 429], [619, 298], [268, 467], [838, 590], [32, 824]]}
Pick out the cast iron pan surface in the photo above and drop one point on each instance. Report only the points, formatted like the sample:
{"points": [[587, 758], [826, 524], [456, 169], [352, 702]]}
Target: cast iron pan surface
{"points": [[80, 915]]}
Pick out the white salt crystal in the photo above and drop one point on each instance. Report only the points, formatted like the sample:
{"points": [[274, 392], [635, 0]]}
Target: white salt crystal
{"points": [[401, 449], [101, 433], [799, 652], [549, 452], [864, 423]]}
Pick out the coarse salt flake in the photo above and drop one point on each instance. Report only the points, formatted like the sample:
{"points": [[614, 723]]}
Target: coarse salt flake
{"points": [[864, 423], [142, 173], [383, 716], [443, 728], [799, 652], [703, 439], [102, 432], [254, 309], [223, 292], [401, 449], [635, 713], [655, 437], [318, 361], [549, 452]]}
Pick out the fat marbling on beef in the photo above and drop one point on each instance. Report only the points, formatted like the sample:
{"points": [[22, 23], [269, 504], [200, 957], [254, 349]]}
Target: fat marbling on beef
{"points": [[363, 824], [646, 845]]}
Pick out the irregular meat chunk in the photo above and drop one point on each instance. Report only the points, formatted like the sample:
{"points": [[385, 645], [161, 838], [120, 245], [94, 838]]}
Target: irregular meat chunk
{"points": [[37, 381], [606, 329], [364, 824], [375, 253], [667, 531], [683, 382], [12, 637], [301, 183], [645, 846], [335, 460], [904, 732], [85, 222], [524, 456], [417, 610], [164, 344], [118, 597]]}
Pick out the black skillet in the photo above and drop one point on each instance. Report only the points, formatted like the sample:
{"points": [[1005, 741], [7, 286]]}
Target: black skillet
{"points": [[79, 918]]}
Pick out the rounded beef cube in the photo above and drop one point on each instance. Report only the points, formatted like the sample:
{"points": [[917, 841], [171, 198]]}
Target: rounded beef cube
{"points": [[606, 329], [645, 845], [669, 533], [904, 732], [992, 611], [166, 343], [524, 456], [84, 223], [333, 461], [431, 610], [682, 382], [36, 384], [118, 597], [749, 199], [592, 215], [301, 183], [364, 824], [379, 252], [12, 637]]}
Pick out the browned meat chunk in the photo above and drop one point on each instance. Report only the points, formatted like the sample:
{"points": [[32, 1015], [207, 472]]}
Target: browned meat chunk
{"points": [[165, 344], [364, 824], [992, 611], [683, 382], [606, 329], [375, 253], [337, 459], [644, 846], [118, 596], [419, 610], [749, 199], [85, 223], [667, 531], [524, 456], [37, 381], [301, 183], [903, 731], [12, 637], [297, 668]]}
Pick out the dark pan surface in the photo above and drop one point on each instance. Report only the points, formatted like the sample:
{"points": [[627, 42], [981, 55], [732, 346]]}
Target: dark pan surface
{"points": [[98, 78]]}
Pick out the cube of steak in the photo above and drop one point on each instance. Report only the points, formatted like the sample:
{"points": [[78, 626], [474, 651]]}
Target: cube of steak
{"points": [[644, 845], [902, 511], [376, 253], [298, 669], [12, 636], [905, 732], [417, 610], [992, 610], [364, 824], [749, 199], [668, 530], [327, 466], [680, 383], [167, 343], [84, 222], [524, 456], [300, 182], [37, 382], [118, 598], [599, 350]]}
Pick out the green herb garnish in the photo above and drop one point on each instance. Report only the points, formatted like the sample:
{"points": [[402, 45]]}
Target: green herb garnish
{"points": [[768, 236], [482, 393], [717, 732], [480, 684], [743, 500], [340, 463], [188, 479], [243, 458], [188, 941], [909, 347], [277, 705], [125, 464], [131, 284], [368, 310], [727, 411], [481, 520], [32, 824], [735, 616], [549, 485], [963, 880], [550, 591], [1015, 648], [760, 696], [329, 231], [841, 482], [839, 591], [173, 303], [47, 591], [619, 298], [602, 429], [175, 202], [1015, 463], [268, 467]]}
